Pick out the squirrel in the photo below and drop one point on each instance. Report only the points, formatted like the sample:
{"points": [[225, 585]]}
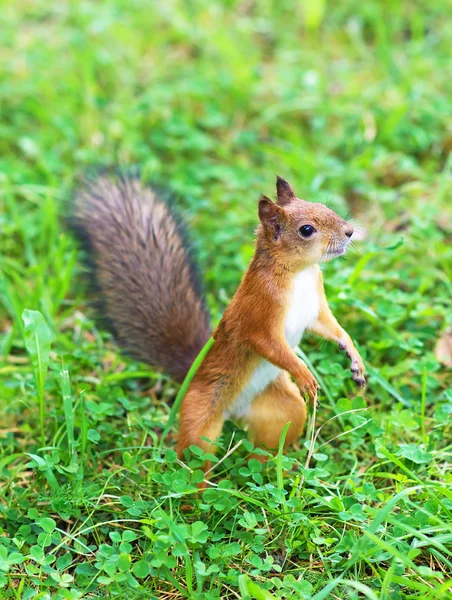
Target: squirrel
{"points": [[150, 289]]}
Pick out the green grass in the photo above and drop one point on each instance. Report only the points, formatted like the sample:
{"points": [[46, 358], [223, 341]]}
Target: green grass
{"points": [[350, 101]]}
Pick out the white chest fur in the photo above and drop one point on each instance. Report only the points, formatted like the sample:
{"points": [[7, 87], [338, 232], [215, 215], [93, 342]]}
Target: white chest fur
{"points": [[303, 308], [302, 311]]}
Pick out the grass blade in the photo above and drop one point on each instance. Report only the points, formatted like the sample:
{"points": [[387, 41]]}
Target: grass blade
{"points": [[68, 409], [37, 342]]}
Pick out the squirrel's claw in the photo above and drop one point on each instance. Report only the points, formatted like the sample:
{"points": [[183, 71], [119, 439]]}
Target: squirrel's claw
{"points": [[308, 386], [360, 381], [312, 398], [357, 367]]}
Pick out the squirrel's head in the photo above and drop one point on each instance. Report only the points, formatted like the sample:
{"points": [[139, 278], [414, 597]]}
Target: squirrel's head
{"points": [[299, 232]]}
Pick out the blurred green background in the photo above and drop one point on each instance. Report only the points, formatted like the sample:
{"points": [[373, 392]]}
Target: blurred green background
{"points": [[351, 102]]}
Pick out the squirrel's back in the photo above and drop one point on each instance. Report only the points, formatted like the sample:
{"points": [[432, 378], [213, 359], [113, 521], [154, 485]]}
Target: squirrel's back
{"points": [[148, 284]]}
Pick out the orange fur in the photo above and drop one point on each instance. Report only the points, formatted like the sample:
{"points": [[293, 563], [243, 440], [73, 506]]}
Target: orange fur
{"points": [[252, 328]]}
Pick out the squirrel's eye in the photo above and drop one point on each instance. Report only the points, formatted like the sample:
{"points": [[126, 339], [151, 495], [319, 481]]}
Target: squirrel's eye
{"points": [[307, 230]]}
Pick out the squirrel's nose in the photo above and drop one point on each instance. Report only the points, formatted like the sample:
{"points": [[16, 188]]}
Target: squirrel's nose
{"points": [[349, 231]]}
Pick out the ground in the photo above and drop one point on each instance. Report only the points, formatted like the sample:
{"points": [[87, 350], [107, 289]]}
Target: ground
{"points": [[350, 101]]}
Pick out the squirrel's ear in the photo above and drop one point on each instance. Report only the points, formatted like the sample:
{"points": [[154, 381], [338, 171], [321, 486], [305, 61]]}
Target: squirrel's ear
{"points": [[284, 191], [270, 215]]}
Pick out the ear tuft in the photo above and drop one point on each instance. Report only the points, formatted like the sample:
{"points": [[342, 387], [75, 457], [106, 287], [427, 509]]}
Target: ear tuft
{"points": [[284, 191], [270, 215], [267, 209]]}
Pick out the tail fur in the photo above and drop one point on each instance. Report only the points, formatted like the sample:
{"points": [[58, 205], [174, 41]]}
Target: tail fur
{"points": [[148, 284]]}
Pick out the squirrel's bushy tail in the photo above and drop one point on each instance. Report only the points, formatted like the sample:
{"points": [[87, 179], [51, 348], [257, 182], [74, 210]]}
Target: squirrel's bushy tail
{"points": [[149, 286]]}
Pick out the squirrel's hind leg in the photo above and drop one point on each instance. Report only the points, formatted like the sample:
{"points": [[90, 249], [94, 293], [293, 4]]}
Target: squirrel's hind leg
{"points": [[198, 421], [278, 404]]}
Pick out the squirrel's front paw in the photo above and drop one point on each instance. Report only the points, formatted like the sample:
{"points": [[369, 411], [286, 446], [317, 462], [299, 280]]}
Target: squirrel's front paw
{"points": [[356, 366], [308, 385], [357, 369]]}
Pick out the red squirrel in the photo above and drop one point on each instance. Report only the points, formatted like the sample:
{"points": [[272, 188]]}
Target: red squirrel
{"points": [[149, 288]]}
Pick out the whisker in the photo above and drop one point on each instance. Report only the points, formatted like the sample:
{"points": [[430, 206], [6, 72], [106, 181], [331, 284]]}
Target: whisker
{"points": [[358, 225], [355, 248]]}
